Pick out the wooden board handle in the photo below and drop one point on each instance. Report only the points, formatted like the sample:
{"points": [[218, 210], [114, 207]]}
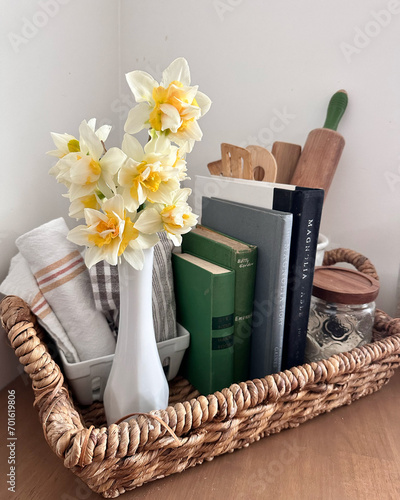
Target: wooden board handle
{"points": [[263, 164], [236, 161]]}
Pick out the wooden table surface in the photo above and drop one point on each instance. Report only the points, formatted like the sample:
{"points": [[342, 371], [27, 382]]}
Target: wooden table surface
{"points": [[349, 454]]}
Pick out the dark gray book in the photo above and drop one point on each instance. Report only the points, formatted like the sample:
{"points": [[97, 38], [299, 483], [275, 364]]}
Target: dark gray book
{"points": [[270, 230]]}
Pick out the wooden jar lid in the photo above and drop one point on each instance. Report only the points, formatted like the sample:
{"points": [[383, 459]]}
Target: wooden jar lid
{"points": [[344, 286]]}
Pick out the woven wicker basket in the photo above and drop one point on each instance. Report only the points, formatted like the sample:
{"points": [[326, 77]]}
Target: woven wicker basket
{"points": [[114, 459]]}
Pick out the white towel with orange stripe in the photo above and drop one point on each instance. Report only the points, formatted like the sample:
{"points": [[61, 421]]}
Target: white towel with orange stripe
{"points": [[21, 282], [64, 281]]}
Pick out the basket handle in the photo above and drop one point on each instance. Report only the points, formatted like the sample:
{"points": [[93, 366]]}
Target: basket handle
{"points": [[360, 262], [26, 339]]}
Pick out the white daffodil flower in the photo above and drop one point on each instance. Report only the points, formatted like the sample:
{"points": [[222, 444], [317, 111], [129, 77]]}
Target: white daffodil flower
{"points": [[175, 217], [91, 168], [61, 169], [128, 195], [151, 173], [67, 143], [110, 234], [171, 107], [77, 207]]}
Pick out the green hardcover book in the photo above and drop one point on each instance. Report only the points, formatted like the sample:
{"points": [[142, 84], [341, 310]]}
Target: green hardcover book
{"points": [[241, 258], [204, 295]]}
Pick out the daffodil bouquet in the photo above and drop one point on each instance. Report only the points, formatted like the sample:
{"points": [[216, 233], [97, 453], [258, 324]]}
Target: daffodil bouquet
{"points": [[128, 195]]}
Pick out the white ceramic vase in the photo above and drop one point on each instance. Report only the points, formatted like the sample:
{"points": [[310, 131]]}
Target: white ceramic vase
{"points": [[137, 382]]}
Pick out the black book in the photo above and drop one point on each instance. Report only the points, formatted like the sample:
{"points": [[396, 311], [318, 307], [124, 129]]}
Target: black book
{"points": [[306, 206]]}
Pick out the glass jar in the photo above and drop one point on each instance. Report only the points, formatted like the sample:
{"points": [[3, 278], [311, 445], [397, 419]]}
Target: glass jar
{"points": [[342, 312]]}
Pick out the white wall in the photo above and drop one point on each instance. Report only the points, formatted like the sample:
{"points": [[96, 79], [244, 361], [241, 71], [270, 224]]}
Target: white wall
{"points": [[258, 58], [254, 58], [65, 71]]}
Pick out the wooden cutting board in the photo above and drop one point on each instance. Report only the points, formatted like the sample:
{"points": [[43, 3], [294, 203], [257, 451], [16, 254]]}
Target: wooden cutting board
{"points": [[286, 155], [263, 164], [253, 162], [236, 161]]}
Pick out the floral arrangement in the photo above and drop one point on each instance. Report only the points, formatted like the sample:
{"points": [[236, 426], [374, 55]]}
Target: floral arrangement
{"points": [[128, 195]]}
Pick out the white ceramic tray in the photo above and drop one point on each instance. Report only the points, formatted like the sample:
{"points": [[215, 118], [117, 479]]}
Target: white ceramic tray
{"points": [[88, 379]]}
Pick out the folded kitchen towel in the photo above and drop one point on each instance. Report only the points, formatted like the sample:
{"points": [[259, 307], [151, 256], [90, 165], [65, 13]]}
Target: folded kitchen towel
{"points": [[64, 281], [105, 285], [164, 307], [21, 282]]}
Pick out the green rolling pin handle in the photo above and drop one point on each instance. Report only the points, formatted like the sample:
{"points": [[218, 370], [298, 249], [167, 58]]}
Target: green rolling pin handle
{"points": [[336, 108]]}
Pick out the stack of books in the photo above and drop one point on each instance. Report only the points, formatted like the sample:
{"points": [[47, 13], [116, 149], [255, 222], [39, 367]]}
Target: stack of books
{"points": [[243, 282]]}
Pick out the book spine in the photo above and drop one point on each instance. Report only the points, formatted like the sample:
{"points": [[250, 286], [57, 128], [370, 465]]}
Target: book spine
{"points": [[306, 207], [279, 301], [243, 262], [222, 344], [205, 307], [245, 272]]}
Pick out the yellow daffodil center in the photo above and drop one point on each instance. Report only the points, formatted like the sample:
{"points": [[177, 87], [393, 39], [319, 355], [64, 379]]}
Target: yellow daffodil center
{"points": [[109, 227], [151, 181], [73, 146], [130, 233], [171, 218], [90, 202], [107, 231], [167, 214], [174, 95], [95, 169]]}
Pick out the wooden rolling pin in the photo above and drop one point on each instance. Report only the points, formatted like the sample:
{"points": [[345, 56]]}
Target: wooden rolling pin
{"points": [[323, 148]]}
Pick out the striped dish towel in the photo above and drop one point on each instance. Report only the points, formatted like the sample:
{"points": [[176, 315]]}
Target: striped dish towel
{"points": [[105, 284], [64, 281], [21, 282], [164, 308]]}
